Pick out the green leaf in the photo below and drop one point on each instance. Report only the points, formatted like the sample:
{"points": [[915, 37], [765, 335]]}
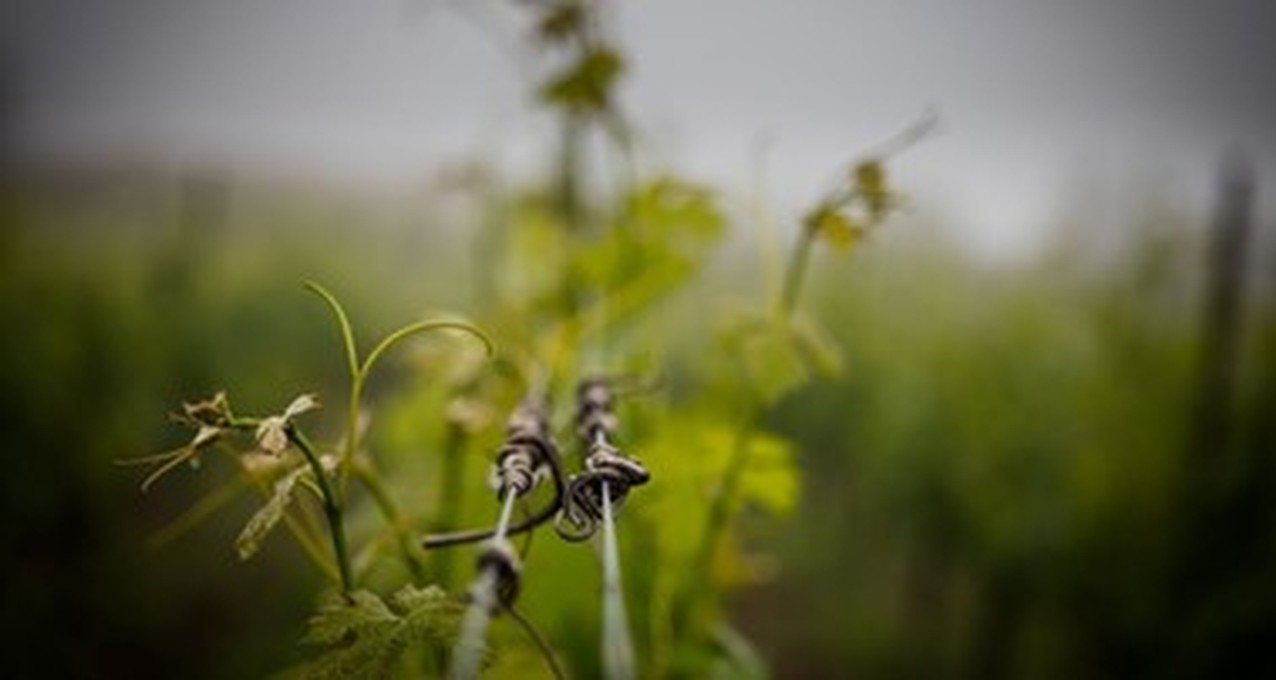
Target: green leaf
{"points": [[266, 518], [586, 84], [779, 355], [773, 363], [872, 186], [662, 238], [536, 256], [684, 212], [337, 621], [770, 477], [367, 636], [837, 229], [561, 22]]}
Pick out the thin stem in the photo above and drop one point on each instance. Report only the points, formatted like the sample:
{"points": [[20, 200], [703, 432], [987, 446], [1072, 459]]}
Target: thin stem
{"points": [[551, 659], [343, 323], [351, 352], [371, 481], [302, 531], [795, 273], [352, 427], [310, 546], [569, 170], [530, 521], [716, 520], [331, 509], [767, 237], [451, 497], [416, 328], [360, 376], [527, 535]]}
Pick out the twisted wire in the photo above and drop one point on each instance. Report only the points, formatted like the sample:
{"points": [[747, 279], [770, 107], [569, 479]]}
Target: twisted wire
{"points": [[592, 498], [528, 450], [605, 465], [495, 587], [527, 455]]}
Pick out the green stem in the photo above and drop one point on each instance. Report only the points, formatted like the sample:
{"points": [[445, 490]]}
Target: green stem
{"points": [[351, 351], [352, 427], [795, 273], [331, 509], [547, 652], [569, 171], [451, 498], [717, 519], [390, 511], [300, 530]]}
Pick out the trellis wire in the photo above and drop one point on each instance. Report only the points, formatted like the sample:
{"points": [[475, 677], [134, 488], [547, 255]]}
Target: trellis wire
{"points": [[468, 654], [617, 646]]}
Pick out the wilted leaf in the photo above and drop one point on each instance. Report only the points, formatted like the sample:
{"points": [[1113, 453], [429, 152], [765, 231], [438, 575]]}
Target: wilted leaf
{"points": [[265, 519], [302, 404], [214, 412], [272, 433], [165, 462]]}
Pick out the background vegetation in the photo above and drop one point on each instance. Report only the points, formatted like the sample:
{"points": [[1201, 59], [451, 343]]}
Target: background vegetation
{"points": [[1001, 481], [1058, 468]]}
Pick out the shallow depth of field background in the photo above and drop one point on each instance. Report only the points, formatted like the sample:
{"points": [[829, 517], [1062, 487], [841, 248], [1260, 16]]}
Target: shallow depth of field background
{"points": [[1029, 466]]}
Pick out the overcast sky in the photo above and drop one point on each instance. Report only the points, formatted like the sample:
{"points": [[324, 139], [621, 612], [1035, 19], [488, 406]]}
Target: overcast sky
{"points": [[1033, 92]]}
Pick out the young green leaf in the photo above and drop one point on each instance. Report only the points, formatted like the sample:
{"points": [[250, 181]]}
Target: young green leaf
{"points": [[839, 230], [586, 84], [870, 183], [561, 22], [770, 480], [367, 636]]}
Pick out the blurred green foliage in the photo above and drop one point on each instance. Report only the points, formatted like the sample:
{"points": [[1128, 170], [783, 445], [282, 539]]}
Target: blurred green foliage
{"points": [[998, 482]]}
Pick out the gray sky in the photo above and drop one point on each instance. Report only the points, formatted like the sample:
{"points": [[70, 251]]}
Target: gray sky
{"points": [[1034, 92]]}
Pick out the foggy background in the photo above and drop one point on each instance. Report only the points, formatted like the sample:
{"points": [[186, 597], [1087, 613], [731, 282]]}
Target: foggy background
{"points": [[1036, 96]]}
